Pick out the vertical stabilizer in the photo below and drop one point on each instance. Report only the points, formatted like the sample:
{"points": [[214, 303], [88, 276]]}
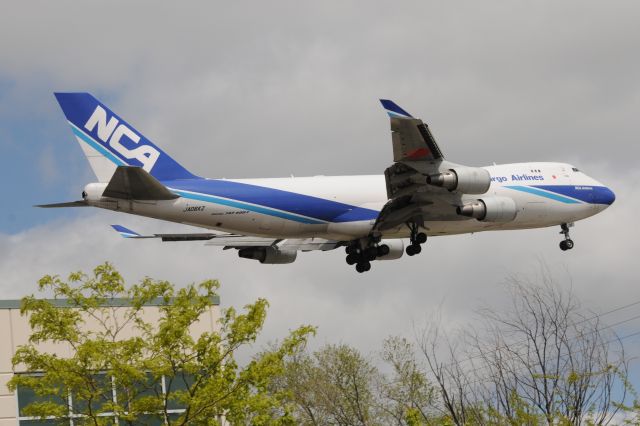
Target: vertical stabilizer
{"points": [[108, 141]]}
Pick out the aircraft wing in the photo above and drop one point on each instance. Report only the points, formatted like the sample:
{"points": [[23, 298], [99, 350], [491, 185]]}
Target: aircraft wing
{"points": [[412, 139], [416, 155], [235, 241]]}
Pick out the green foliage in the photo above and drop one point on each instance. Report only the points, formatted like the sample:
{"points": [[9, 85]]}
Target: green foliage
{"points": [[118, 348], [407, 395], [333, 386]]}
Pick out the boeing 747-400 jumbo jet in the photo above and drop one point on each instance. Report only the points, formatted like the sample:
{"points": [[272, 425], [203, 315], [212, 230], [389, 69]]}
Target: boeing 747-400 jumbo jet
{"points": [[270, 220]]}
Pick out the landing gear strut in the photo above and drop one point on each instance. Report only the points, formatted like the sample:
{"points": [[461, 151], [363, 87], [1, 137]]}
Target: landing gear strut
{"points": [[417, 238], [567, 243]]}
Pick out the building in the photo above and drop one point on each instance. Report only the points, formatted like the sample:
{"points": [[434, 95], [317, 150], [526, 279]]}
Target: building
{"points": [[15, 331]]}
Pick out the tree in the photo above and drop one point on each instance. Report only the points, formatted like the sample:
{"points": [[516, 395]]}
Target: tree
{"points": [[543, 361], [337, 385], [333, 386], [407, 397], [156, 367]]}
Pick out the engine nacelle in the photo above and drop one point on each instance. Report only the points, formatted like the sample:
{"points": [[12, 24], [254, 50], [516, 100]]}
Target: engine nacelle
{"points": [[468, 180], [93, 191], [490, 209], [396, 249], [269, 255]]}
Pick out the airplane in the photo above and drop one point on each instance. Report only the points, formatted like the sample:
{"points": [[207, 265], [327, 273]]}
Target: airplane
{"points": [[270, 220]]}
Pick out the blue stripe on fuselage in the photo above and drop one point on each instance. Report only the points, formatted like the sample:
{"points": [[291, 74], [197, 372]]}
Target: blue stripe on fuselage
{"points": [[586, 193], [245, 206], [275, 202], [541, 193], [569, 194]]}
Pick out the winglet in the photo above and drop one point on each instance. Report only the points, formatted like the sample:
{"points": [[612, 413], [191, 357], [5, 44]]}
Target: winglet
{"points": [[125, 232], [394, 110]]}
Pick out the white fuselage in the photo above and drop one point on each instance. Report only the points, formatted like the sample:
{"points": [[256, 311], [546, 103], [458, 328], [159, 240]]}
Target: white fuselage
{"points": [[545, 194]]}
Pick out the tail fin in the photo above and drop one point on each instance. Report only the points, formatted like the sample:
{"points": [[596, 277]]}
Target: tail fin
{"points": [[108, 141]]}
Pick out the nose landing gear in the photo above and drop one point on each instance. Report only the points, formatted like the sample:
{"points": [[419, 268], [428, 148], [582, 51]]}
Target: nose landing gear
{"points": [[567, 243]]}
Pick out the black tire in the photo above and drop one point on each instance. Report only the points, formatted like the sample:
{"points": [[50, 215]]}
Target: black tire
{"points": [[563, 245], [363, 267], [383, 250], [411, 250], [421, 238], [417, 248], [568, 244], [371, 253], [367, 266], [351, 250], [352, 259]]}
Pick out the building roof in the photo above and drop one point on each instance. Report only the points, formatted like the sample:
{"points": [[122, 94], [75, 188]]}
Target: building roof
{"points": [[115, 302]]}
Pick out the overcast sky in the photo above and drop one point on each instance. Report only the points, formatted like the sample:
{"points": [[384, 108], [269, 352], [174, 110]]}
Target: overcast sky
{"points": [[266, 89]]}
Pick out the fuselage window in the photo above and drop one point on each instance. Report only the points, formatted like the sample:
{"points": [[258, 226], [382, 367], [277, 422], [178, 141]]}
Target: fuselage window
{"points": [[575, 169]]}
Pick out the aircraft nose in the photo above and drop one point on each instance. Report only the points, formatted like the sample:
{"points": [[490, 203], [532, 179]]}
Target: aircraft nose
{"points": [[604, 195]]}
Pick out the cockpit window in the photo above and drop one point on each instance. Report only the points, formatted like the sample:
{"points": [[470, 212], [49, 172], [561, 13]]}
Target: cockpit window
{"points": [[575, 169]]}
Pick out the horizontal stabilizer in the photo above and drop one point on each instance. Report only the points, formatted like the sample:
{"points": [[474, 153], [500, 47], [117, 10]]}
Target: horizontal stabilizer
{"points": [[128, 233], [235, 241], [80, 203], [186, 237], [134, 183]]}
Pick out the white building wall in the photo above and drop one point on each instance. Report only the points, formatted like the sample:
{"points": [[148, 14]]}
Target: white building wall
{"points": [[15, 331]]}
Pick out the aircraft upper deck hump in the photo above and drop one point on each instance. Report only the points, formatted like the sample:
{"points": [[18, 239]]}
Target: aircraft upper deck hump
{"points": [[108, 141]]}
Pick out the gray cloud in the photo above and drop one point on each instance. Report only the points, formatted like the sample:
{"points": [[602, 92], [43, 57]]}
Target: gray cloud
{"points": [[286, 80]]}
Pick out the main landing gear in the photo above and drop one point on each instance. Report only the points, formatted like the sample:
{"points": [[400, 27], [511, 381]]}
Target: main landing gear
{"points": [[365, 250], [416, 238], [567, 243], [362, 255]]}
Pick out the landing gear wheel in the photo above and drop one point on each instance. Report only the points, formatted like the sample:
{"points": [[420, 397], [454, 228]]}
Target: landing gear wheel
{"points": [[413, 249], [351, 250], [567, 244], [371, 253], [383, 250], [416, 238], [352, 258], [363, 266]]}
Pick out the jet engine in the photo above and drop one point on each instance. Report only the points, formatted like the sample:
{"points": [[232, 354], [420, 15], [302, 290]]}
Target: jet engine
{"points": [[468, 180], [93, 191], [490, 209], [395, 247], [268, 255]]}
